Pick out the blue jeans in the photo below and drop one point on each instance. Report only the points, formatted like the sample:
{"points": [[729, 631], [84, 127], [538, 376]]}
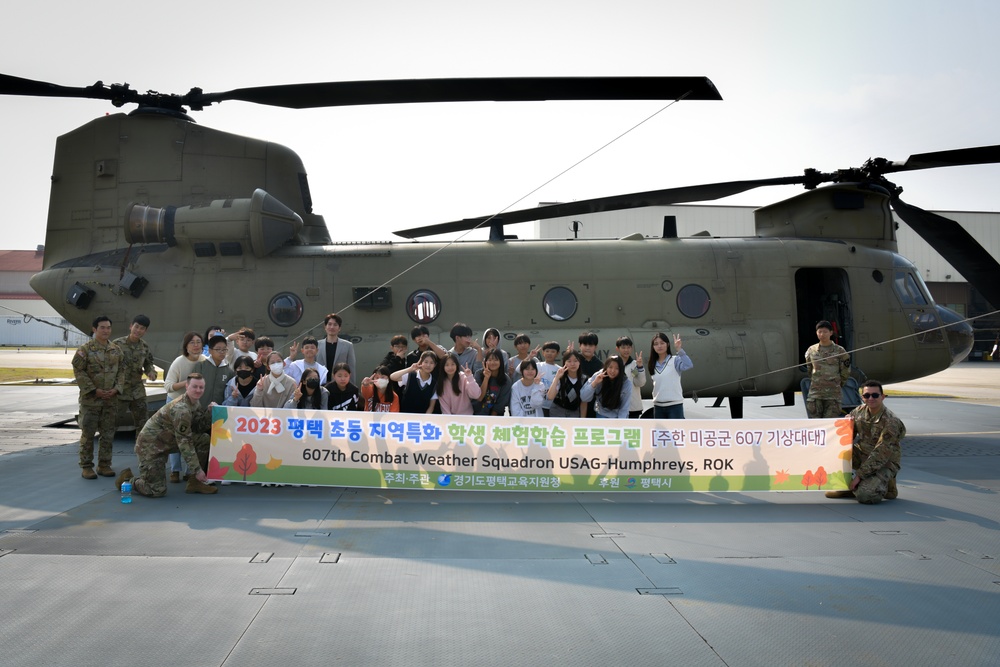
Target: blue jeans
{"points": [[177, 463], [668, 411]]}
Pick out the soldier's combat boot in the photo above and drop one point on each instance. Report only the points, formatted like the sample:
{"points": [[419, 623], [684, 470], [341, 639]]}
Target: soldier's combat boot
{"points": [[892, 492], [88, 473], [194, 486], [842, 493], [175, 477], [105, 471], [122, 476]]}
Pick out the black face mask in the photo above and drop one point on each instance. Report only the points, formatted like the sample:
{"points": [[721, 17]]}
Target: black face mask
{"points": [[312, 383], [243, 373]]}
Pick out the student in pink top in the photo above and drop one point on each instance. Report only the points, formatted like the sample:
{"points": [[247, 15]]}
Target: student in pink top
{"points": [[456, 388]]}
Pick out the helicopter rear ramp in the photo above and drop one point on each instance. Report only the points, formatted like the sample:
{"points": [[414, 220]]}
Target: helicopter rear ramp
{"points": [[269, 575]]}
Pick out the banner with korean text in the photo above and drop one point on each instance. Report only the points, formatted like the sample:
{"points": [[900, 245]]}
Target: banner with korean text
{"points": [[409, 451]]}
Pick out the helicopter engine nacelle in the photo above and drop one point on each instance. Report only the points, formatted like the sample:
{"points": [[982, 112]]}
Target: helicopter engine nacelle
{"points": [[841, 211], [261, 221]]}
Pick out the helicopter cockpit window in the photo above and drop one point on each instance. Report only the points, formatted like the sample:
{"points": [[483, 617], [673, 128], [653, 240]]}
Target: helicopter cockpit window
{"points": [[423, 306], [925, 325], [693, 301], [907, 289], [560, 303], [285, 309]]}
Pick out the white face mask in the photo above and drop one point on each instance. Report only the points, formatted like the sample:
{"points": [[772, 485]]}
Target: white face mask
{"points": [[382, 383], [277, 368]]}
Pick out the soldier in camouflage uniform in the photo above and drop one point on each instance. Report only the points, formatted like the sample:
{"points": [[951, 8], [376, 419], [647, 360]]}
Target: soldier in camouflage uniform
{"points": [[138, 361], [182, 425], [99, 373], [876, 453], [830, 368]]}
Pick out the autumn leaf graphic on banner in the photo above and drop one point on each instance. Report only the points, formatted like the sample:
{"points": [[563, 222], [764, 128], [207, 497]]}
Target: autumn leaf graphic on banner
{"points": [[219, 432], [215, 471], [273, 464], [780, 476], [845, 429], [246, 461]]}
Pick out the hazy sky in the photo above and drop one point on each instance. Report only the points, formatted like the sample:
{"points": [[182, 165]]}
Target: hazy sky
{"points": [[805, 84]]}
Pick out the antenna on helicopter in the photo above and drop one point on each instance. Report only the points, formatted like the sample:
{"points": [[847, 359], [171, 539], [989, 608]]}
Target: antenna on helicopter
{"points": [[496, 230], [669, 227]]}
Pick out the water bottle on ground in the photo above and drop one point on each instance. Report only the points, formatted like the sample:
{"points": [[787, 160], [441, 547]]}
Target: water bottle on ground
{"points": [[127, 491]]}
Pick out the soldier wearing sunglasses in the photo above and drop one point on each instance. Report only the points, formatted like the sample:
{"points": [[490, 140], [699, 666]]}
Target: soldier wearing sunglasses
{"points": [[876, 453]]}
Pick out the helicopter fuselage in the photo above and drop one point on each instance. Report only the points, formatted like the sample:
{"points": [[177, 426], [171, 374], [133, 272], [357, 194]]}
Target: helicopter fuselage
{"points": [[738, 303]]}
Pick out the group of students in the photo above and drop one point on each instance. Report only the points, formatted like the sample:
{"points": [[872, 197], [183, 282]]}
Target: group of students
{"points": [[483, 379], [471, 378]]}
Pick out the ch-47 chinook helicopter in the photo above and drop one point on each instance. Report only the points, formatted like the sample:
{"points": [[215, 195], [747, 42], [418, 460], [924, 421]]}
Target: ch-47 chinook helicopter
{"points": [[152, 213]]}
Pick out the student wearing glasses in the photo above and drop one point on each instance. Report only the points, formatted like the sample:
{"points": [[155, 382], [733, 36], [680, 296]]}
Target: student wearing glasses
{"points": [[876, 453], [216, 371]]}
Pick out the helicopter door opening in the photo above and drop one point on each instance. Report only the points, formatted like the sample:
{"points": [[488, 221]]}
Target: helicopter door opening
{"points": [[823, 294]]}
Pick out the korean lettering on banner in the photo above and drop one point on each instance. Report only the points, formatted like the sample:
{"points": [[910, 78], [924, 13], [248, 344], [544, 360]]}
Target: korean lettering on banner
{"points": [[496, 453]]}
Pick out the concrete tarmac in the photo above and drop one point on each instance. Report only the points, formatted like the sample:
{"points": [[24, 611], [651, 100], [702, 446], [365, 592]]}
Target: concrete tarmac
{"points": [[259, 576]]}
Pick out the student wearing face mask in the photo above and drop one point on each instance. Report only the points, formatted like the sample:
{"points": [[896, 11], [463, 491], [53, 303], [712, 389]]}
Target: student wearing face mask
{"points": [[377, 392], [241, 388], [274, 389]]}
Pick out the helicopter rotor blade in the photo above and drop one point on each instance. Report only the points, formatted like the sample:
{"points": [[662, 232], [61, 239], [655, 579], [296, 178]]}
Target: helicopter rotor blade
{"points": [[511, 89], [392, 91], [951, 158], [957, 246], [14, 85], [705, 192]]}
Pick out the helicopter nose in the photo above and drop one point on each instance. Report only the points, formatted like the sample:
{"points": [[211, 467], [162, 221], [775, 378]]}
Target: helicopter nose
{"points": [[959, 334], [47, 286]]}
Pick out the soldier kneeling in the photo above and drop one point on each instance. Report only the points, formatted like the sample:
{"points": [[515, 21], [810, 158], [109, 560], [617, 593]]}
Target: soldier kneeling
{"points": [[876, 454], [181, 425]]}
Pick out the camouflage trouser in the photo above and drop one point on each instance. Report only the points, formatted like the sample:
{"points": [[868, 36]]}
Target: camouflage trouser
{"points": [[818, 408], [152, 478], [140, 413], [100, 418], [872, 490]]}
